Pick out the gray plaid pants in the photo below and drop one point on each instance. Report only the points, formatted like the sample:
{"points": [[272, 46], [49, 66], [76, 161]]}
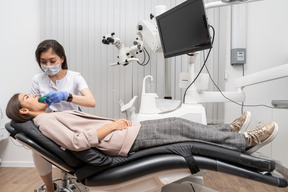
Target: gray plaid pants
{"points": [[173, 130]]}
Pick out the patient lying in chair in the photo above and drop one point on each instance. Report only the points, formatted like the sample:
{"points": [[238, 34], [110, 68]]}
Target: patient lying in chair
{"points": [[78, 131]]}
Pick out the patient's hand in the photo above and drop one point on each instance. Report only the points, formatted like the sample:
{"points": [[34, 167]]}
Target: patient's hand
{"points": [[118, 124], [122, 124]]}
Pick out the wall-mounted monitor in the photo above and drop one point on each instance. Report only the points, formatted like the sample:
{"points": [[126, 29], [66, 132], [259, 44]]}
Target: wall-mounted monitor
{"points": [[184, 29]]}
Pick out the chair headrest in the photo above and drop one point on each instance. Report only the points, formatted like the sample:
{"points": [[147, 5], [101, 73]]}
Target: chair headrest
{"points": [[30, 130], [11, 130], [13, 127]]}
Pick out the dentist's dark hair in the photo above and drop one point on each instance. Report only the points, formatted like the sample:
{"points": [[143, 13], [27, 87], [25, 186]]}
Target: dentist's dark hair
{"points": [[12, 110], [56, 48]]}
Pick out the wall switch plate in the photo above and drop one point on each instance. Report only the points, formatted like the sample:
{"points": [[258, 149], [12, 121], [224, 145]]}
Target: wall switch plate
{"points": [[238, 56]]}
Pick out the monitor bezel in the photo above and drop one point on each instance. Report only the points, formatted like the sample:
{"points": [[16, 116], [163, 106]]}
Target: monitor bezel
{"points": [[185, 50]]}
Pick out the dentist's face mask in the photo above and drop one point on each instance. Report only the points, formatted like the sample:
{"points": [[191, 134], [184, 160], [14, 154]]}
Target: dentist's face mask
{"points": [[51, 70]]}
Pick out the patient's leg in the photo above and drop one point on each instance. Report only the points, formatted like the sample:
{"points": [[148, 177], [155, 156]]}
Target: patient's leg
{"points": [[219, 127], [173, 130], [238, 125]]}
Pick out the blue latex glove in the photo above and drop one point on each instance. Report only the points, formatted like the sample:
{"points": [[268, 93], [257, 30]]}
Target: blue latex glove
{"points": [[48, 101], [56, 96]]}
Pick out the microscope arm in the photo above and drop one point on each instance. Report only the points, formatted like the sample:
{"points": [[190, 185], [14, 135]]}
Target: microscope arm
{"points": [[125, 54]]}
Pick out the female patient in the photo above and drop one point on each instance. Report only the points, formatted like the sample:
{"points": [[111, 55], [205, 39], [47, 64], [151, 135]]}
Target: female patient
{"points": [[77, 131]]}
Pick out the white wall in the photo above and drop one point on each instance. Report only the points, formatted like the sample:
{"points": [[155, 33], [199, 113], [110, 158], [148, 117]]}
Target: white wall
{"points": [[267, 46], [19, 37]]}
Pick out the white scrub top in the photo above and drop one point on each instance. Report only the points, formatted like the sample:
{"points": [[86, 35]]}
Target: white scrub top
{"points": [[73, 83]]}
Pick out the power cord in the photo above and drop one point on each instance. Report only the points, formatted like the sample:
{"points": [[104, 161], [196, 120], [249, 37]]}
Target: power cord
{"points": [[205, 61], [144, 60]]}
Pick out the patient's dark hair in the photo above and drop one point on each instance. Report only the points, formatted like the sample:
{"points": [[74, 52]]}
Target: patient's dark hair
{"points": [[56, 48], [12, 110]]}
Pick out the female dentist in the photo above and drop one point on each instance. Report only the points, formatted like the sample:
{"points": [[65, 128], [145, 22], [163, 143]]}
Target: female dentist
{"points": [[62, 90]]}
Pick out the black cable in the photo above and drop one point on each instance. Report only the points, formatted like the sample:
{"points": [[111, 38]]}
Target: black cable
{"points": [[144, 60], [192, 187], [148, 56], [196, 76], [202, 65], [242, 106]]}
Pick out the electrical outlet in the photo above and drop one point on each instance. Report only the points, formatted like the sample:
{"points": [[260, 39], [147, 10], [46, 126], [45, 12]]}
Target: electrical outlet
{"points": [[238, 56]]}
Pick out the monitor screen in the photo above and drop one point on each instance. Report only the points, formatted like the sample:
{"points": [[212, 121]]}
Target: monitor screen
{"points": [[184, 29]]}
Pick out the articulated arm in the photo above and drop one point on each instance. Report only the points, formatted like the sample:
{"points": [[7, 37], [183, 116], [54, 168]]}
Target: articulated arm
{"points": [[147, 31], [262, 76], [125, 54]]}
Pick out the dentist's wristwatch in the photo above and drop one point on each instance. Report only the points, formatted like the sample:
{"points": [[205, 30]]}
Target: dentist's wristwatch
{"points": [[69, 98]]}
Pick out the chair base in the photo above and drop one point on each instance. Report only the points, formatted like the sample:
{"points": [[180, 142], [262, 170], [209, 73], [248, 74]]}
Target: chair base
{"points": [[67, 184], [149, 183]]}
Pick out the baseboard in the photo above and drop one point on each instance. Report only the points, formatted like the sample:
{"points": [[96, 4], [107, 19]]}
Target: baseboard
{"points": [[17, 164]]}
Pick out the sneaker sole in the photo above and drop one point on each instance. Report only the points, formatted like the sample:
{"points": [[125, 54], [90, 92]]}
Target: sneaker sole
{"points": [[268, 140], [246, 123]]}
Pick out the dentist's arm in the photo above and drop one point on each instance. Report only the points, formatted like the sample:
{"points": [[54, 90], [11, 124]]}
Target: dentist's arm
{"points": [[86, 99]]}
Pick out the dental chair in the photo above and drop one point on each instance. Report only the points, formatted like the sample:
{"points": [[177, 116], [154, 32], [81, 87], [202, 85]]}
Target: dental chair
{"points": [[145, 170]]}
